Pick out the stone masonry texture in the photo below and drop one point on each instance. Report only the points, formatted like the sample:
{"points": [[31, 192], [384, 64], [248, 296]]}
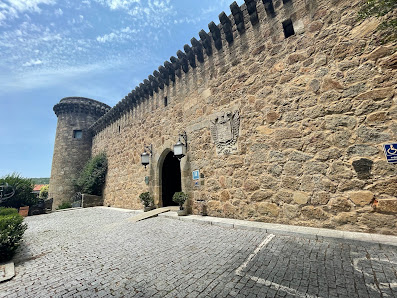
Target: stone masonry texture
{"points": [[97, 252], [315, 110]]}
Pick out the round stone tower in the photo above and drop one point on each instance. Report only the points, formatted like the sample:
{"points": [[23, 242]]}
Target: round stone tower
{"points": [[73, 142]]}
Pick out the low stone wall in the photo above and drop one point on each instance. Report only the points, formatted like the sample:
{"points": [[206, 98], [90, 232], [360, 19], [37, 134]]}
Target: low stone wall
{"points": [[91, 201]]}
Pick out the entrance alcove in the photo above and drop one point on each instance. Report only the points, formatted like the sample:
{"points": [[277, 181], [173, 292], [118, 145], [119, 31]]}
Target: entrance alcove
{"points": [[170, 178]]}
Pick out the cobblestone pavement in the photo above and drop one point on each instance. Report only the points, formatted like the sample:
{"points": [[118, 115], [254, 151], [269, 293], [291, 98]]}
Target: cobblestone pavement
{"points": [[97, 252]]}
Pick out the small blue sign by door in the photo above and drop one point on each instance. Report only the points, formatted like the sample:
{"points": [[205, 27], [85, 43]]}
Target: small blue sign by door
{"points": [[196, 175], [391, 152]]}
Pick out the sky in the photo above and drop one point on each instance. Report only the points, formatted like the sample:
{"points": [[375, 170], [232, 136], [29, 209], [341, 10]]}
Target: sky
{"points": [[100, 49]]}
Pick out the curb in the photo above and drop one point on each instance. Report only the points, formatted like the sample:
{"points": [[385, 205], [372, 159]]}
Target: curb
{"points": [[7, 271], [288, 230]]}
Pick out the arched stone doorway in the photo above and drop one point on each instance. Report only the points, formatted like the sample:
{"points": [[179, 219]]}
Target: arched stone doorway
{"points": [[170, 179]]}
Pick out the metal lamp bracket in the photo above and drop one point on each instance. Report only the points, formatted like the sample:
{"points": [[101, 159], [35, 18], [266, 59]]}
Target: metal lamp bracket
{"points": [[183, 135], [148, 149]]}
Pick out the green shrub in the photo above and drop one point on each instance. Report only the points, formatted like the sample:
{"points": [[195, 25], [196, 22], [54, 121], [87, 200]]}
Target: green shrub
{"points": [[64, 205], [7, 211], [44, 192], [23, 191], [11, 232], [93, 176], [146, 199], [180, 198]]}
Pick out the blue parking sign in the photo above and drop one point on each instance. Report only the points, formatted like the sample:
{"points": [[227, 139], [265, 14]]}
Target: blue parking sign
{"points": [[391, 152], [196, 175]]}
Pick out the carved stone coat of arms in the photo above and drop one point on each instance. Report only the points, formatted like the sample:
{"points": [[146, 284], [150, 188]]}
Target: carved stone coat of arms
{"points": [[225, 131]]}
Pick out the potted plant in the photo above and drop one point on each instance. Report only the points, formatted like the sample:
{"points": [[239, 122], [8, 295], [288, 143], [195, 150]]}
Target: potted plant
{"points": [[180, 198], [147, 201], [24, 211]]}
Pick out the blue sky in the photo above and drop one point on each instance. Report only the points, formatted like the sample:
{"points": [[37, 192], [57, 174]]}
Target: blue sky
{"points": [[101, 49]]}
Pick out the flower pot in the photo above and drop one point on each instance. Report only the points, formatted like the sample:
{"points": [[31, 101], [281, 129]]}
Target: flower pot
{"points": [[182, 212], [24, 211]]}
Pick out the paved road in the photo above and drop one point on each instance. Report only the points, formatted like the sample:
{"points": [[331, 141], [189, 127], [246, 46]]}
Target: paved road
{"points": [[97, 252]]}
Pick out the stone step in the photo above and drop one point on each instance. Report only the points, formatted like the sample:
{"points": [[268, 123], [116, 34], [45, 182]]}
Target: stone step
{"points": [[149, 214]]}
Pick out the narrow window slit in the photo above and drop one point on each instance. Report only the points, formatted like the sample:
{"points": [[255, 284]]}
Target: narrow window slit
{"points": [[288, 28]]}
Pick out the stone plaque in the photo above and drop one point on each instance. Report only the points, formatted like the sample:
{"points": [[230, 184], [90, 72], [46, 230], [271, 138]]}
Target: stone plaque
{"points": [[225, 131]]}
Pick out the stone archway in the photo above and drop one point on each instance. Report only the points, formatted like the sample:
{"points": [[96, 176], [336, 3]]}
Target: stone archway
{"points": [[170, 179]]}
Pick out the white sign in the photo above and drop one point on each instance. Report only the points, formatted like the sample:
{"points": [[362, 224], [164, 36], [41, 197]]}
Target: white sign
{"points": [[391, 152], [196, 175]]}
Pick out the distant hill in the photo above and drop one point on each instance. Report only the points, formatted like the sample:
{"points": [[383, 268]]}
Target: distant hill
{"points": [[41, 180]]}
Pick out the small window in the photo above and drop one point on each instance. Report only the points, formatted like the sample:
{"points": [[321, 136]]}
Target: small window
{"points": [[119, 128], [288, 28], [165, 101], [77, 134], [286, 1]]}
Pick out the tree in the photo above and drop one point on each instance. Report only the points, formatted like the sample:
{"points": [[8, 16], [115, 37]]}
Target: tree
{"points": [[23, 191], [44, 192], [385, 9], [93, 176]]}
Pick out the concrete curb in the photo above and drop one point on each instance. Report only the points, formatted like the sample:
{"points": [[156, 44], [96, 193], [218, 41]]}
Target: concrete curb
{"points": [[66, 209], [288, 230], [119, 209], [7, 271]]}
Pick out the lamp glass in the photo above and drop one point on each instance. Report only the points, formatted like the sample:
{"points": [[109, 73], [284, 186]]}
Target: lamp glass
{"points": [[179, 150], [145, 158]]}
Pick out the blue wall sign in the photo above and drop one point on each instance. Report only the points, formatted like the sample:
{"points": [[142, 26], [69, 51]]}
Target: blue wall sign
{"points": [[391, 152], [196, 175]]}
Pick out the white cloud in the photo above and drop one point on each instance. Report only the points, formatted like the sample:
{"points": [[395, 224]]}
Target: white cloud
{"points": [[38, 78], [33, 62], [118, 35], [107, 37], [13, 8], [118, 4], [58, 12]]}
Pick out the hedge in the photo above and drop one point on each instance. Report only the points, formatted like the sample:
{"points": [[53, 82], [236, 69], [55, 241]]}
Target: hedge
{"points": [[11, 232]]}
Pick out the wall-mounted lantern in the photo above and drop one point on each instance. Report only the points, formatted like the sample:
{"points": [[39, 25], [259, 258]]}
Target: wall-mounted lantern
{"points": [[180, 148], [145, 156]]}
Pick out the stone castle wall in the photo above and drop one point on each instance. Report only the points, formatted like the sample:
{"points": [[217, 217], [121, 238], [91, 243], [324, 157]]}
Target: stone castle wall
{"points": [[71, 154], [315, 109]]}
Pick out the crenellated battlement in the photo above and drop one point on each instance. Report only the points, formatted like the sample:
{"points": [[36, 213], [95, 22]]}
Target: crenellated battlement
{"points": [[193, 56], [81, 105]]}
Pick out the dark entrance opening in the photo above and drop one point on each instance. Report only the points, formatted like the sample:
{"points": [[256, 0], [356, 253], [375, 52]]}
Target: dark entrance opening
{"points": [[171, 179]]}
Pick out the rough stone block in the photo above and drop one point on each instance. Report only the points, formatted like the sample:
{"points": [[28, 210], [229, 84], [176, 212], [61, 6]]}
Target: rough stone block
{"points": [[269, 209], [261, 195], [311, 212], [291, 211], [376, 94], [386, 205], [363, 168], [300, 198], [361, 198], [340, 204]]}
